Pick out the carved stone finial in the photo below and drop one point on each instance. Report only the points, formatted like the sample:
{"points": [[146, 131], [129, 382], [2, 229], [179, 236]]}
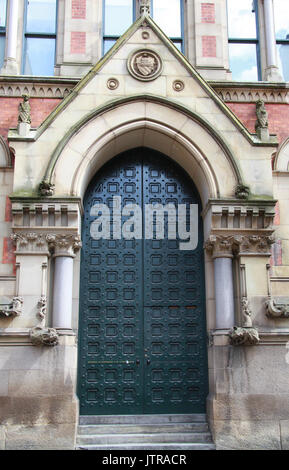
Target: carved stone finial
{"points": [[46, 188], [145, 7], [24, 110], [40, 336], [261, 125], [240, 336], [242, 191]]}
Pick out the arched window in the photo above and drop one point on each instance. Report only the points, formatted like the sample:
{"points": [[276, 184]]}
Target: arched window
{"points": [[243, 40], [120, 14], [39, 37]]}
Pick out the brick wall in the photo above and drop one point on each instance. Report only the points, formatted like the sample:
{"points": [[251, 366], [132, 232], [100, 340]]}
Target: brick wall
{"points": [[40, 109], [209, 46], [278, 116], [208, 12], [78, 9], [78, 42]]}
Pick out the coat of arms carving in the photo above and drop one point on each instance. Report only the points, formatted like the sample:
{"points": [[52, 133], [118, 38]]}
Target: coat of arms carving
{"points": [[145, 65]]}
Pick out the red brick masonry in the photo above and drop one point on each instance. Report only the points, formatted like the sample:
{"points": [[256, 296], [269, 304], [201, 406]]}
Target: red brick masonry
{"points": [[208, 12], [78, 9]]}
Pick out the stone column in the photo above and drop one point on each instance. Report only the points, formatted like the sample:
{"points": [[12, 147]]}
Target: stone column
{"points": [[64, 247], [220, 247], [272, 73], [10, 66]]}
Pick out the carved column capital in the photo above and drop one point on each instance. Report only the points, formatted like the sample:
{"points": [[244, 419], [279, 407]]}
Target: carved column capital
{"points": [[30, 242], [64, 244], [254, 244], [221, 246]]}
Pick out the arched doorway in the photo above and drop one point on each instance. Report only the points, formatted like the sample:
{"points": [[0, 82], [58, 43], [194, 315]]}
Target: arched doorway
{"points": [[142, 332]]}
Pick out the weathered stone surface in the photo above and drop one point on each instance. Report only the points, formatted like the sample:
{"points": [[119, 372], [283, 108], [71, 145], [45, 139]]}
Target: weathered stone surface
{"points": [[2, 437], [50, 437], [28, 410], [284, 428], [247, 435], [248, 407]]}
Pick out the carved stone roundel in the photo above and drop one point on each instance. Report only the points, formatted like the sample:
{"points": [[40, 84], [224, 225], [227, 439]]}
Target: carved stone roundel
{"points": [[144, 65]]}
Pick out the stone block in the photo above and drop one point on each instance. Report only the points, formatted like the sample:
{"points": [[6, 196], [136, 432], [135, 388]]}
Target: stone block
{"points": [[56, 409], [247, 435], [284, 428], [49, 437], [2, 437]]}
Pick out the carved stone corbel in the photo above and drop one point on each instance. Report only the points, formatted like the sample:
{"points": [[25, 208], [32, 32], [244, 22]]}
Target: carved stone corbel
{"points": [[41, 336], [276, 310], [14, 309], [240, 336]]}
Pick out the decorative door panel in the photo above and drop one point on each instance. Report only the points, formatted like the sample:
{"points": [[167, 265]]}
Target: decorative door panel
{"points": [[142, 311]]}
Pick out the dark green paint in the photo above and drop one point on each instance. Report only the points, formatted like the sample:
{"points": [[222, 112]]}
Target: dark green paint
{"points": [[142, 309]]}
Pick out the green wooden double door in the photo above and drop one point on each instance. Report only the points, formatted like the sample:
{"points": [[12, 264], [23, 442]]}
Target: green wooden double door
{"points": [[142, 334]]}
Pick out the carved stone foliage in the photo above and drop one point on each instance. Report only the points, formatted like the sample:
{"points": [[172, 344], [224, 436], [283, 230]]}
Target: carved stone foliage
{"points": [[255, 244], [275, 309], [14, 309], [64, 245], [241, 336], [40, 336], [145, 65], [46, 189], [220, 245], [29, 241]]}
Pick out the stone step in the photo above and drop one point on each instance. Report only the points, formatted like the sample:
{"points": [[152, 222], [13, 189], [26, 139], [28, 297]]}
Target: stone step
{"points": [[142, 428], [114, 439], [142, 419], [144, 446]]}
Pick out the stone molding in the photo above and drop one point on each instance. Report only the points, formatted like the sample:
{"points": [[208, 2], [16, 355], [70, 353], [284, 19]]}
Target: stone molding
{"points": [[15, 89], [245, 94]]}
